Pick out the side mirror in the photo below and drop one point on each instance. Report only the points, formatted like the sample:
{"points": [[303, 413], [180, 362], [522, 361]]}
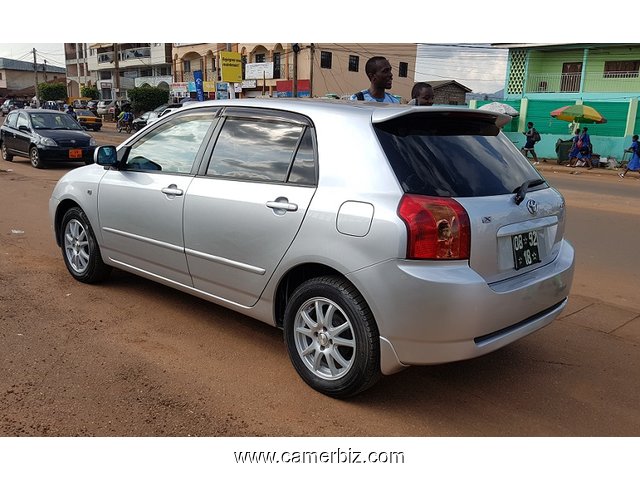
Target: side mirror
{"points": [[106, 156], [24, 128]]}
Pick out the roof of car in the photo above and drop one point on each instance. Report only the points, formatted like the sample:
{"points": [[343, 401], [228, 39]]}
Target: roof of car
{"points": [[379, 111]]}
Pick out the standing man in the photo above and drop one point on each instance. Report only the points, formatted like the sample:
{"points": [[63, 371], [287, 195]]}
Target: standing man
{"points": [[531, 135], [378, 70]]}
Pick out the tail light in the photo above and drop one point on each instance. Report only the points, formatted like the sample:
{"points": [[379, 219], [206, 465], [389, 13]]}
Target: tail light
{"points": [[437, 228]]}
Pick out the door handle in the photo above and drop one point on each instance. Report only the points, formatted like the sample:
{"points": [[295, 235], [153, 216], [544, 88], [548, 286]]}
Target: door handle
{"points": [[282, 205], [172, 190]]}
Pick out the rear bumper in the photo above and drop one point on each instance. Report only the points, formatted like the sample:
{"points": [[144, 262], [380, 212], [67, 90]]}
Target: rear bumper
{"points": [[443, 312]]}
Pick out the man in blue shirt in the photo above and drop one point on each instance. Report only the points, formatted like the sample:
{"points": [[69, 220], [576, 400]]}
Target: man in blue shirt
{"points": [[378, 70]]}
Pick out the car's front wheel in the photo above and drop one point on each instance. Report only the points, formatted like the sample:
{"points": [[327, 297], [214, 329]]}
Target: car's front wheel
{"points": [[6, 156], [34, 156], [80, 249], [332, 338]]}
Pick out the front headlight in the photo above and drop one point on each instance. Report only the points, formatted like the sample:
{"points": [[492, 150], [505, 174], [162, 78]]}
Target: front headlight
{"points": [[92, 142], [47, 142]]}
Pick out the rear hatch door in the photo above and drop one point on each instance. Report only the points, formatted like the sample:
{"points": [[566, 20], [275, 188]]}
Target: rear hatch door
{"points": [[517, 220]]}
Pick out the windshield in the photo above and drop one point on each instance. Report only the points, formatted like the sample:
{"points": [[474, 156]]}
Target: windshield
{"points": [[54, 121], [453, 155]]}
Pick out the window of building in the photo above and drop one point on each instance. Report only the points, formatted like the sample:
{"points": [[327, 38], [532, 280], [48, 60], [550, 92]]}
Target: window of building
{"points": [[403, 69], [261, 58], [277, 59], [146, 72], [325, 59], [621, 69], [354, 63], [186, 65], [105, 75], [0, 75]]}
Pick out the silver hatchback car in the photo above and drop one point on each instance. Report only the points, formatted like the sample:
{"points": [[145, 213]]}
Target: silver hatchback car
{"points": [[377, 236]]}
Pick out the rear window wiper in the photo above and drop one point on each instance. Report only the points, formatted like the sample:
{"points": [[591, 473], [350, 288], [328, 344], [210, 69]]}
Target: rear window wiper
{"points": [[521, 191]]}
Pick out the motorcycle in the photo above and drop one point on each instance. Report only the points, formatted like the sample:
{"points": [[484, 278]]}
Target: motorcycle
{"points": [[125, 123]]}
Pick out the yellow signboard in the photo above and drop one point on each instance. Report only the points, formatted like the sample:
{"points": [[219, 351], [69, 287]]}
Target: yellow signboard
{"points": [[231, 67]]}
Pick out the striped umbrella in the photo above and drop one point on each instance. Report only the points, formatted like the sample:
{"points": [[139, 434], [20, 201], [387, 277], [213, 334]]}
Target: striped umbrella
{"points": [[578, 114]]}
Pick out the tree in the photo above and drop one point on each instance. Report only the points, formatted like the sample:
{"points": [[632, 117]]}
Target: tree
{"points": [[52, 91], [90, 92], [147, 98]]}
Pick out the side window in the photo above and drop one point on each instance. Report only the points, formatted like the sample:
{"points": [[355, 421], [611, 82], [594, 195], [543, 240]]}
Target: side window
{"points": [[173, 146], [251, 149], [22, 120], [303, 170], [12, 120]]}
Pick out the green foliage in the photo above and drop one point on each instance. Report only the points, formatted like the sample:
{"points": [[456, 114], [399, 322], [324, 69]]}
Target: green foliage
{"points": [[52, 91], [147, 98], [90, 92]]}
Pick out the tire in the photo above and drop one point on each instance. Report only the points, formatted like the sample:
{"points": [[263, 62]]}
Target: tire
{"points": [[34, 156], [332, 338], [6, 156], [80, 249], [96, 129]]}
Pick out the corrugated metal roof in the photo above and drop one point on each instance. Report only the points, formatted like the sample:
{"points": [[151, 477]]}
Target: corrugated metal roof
{"points": [[11, 64]]}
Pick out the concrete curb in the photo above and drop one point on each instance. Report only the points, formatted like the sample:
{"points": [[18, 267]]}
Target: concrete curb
{"points": [[552, 166]]}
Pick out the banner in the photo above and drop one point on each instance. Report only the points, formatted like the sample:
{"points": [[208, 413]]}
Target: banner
{"points": [[231, 66], [197, 77], [258, 71], [222, 91]]}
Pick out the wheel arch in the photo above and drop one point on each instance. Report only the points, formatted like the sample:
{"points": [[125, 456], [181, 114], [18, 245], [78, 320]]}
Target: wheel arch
{"points": [[63, 208], [295, 277]]}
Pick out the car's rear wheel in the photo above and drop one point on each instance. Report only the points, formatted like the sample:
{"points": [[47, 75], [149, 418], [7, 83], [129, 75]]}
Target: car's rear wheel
{"points": [[80, 249], [332, 338], [5, 154], [34, 156]]}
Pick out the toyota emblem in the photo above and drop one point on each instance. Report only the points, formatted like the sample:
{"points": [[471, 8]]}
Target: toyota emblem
{"points": [[532, 206]]}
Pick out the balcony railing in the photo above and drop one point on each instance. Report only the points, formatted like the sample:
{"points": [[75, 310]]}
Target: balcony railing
{"points": [[105, 57], [142, 52], [593, 82]]}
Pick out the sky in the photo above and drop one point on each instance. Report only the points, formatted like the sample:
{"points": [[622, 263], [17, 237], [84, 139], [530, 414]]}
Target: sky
{"points": [[454, 44]]}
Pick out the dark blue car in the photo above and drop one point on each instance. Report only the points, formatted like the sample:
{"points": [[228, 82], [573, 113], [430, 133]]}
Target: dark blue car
{"points": [[45, 136]]}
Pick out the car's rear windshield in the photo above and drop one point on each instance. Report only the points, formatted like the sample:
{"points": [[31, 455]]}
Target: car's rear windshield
{"points": [[449, 154]]}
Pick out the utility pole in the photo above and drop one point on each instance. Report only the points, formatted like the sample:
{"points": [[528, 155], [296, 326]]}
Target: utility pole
{"points": [[44, 69], [296, 50], [232, 86], [311, 48], [117, 70], [35, 73]]}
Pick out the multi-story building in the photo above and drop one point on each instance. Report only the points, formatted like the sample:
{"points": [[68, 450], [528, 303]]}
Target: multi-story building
{"points": [[119, 67], [78, 74], [18, 78], [320, 68]]}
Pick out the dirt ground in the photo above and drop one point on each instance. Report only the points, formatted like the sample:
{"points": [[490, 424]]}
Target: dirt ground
{"points": [[133, 358]]}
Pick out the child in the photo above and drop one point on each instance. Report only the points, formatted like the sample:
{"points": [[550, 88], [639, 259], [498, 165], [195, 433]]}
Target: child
{"points": [[573, 154], [634, 163]]}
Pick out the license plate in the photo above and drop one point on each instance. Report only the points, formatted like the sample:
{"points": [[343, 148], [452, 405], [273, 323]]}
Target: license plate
{"points": [[75, 153], [525, 249]]}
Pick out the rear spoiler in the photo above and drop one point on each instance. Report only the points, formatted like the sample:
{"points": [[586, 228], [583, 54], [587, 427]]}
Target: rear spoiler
{"points": [[383, 115]]}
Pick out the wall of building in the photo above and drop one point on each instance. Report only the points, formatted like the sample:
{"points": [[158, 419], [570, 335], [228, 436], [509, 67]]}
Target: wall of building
{"points": [[340, 80]]}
